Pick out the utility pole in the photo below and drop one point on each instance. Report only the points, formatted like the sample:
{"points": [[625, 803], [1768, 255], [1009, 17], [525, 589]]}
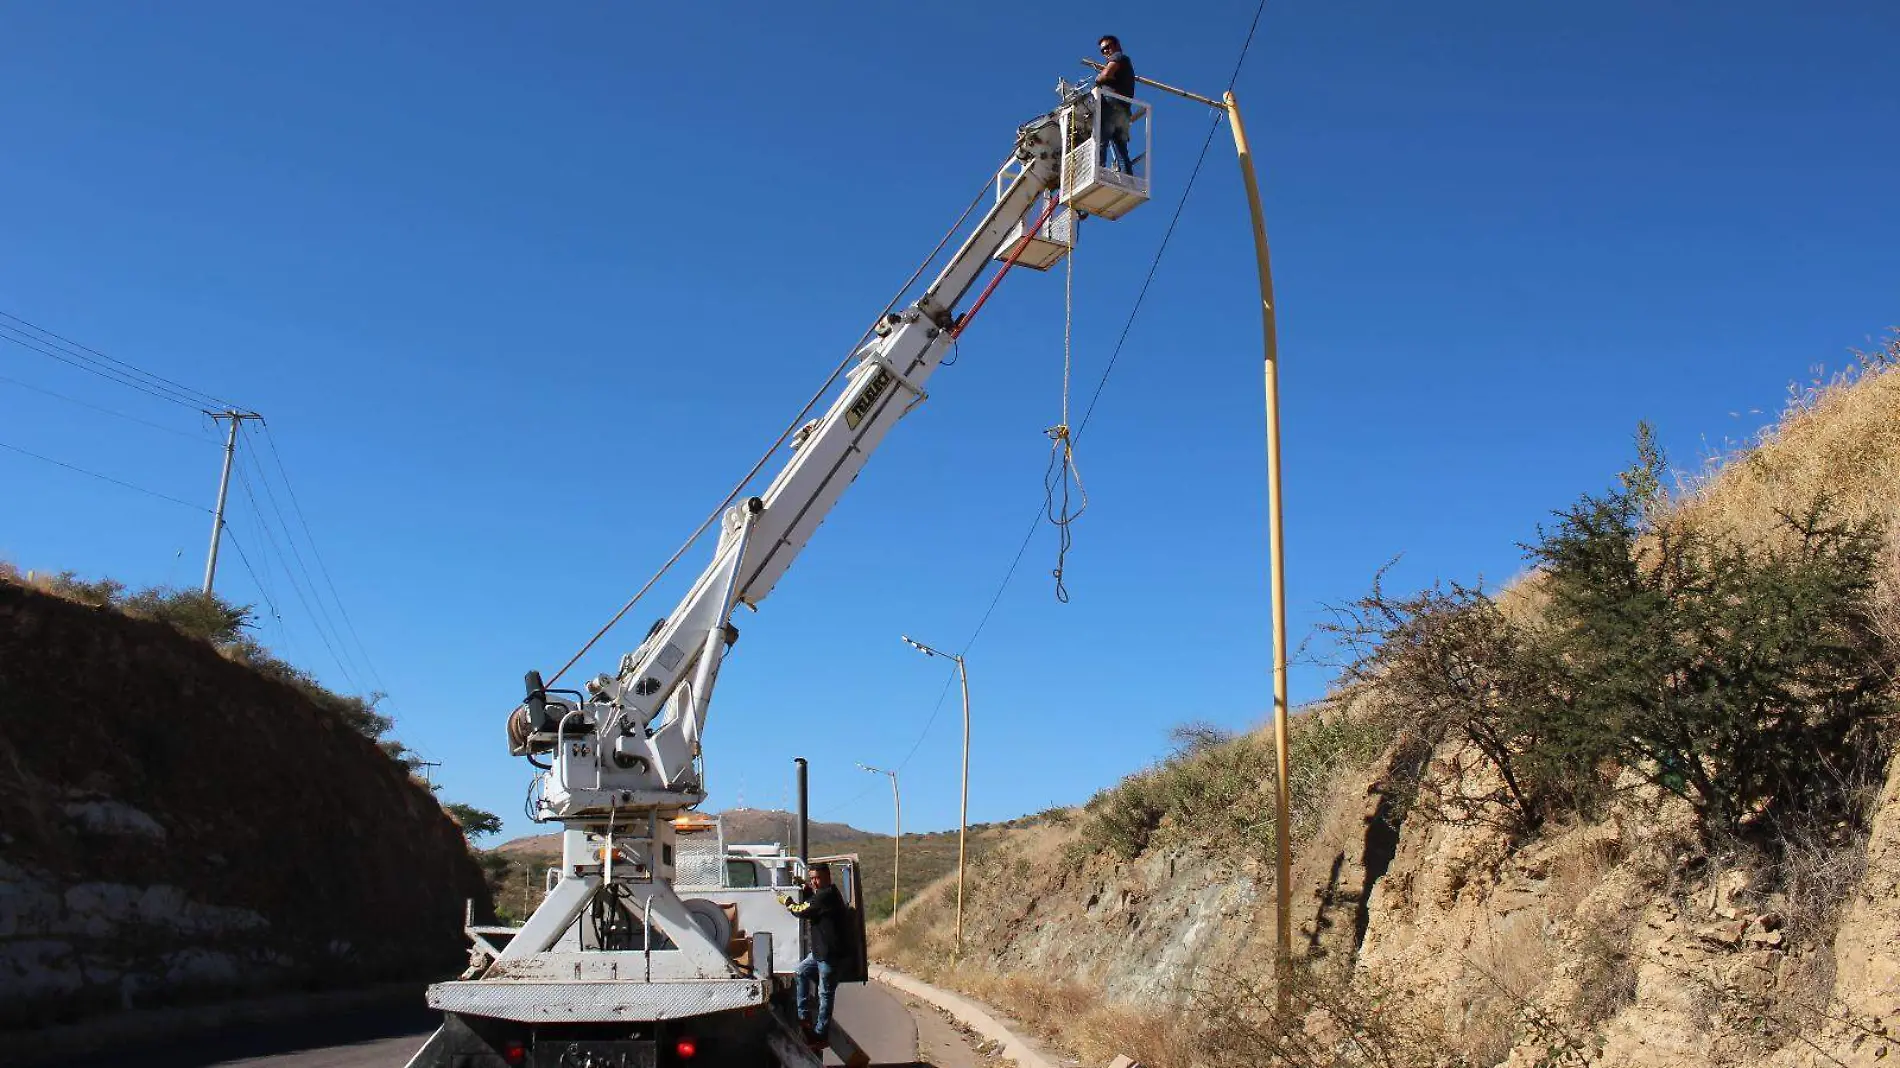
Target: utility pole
{"points": [[224, 486], [427, 775]]}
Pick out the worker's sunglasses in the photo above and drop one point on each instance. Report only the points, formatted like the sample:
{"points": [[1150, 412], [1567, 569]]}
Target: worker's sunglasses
{"points": [[1106, 49]]}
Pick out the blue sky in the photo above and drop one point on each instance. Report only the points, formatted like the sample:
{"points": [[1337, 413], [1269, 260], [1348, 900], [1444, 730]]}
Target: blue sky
{"points": [[522, 291]]}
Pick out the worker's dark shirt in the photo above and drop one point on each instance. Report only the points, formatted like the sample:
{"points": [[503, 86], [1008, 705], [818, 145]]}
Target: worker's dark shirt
{"points": [[1123, 80], [827, 924]]}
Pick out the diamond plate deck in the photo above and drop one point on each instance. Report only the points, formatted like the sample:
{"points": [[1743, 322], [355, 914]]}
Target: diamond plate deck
{"points": [[583, 1002]]}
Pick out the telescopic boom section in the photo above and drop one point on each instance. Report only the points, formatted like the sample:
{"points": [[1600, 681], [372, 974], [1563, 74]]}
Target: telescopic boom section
{"points": [[632, 741]]}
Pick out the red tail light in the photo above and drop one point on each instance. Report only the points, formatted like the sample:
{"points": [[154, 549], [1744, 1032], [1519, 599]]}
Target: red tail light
{"points": [[514, 1052], [686, 1048]]}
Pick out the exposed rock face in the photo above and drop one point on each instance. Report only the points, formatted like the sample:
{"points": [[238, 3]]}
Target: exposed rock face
{"points": [[1623, 942], [1618, 943], [174, 825], [1861, 1025]]}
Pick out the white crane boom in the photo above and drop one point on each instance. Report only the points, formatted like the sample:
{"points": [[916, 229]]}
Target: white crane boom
{"points": [[631, 742], [613, 959]]}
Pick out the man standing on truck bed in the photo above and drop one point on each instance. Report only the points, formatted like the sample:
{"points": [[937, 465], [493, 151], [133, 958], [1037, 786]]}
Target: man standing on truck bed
{"points": [[828, 934]]}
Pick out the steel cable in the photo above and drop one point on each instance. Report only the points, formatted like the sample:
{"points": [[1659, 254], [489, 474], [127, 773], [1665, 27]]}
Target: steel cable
{"points": [[766, 457]]}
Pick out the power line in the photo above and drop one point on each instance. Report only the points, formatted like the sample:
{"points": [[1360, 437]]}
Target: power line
{"points": [[245, 559], [269, 543], [304, 589], [108, 411], [317, 620], [925, 733], [104, 478], [28, 341], [264, 587], [194, 397], [1089, 412], [1128, 325], [310, 539]]}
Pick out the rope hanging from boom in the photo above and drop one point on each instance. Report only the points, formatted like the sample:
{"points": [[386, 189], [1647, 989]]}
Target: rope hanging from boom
{"points": [[1063, 478]]}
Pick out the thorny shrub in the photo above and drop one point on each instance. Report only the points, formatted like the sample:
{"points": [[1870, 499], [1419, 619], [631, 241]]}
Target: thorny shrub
{"points": [[1216, 791], [1748, 677]]}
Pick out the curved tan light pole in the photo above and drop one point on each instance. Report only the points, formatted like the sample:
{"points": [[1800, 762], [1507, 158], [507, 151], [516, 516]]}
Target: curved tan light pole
{"points": [[1276, 547], [1276, 541]]}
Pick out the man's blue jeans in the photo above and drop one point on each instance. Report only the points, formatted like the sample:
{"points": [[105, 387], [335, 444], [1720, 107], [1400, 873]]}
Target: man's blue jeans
{"points": [[1115, 123], [813, 970]]}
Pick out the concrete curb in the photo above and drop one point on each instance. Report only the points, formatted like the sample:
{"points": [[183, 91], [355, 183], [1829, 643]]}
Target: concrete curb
{"points": [[969, 1014]]}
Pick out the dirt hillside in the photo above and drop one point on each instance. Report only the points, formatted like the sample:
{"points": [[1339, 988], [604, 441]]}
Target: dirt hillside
{"points": [[175, 826], [1431, 929]]}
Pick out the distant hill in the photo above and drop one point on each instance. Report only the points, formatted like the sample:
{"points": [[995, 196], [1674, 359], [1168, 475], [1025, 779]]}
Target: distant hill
{"points": [[925, 857], [743, 825]]}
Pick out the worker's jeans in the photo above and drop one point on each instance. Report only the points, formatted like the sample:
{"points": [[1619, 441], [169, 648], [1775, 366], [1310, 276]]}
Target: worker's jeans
{"points": [[813, 970], [1115, 122]]}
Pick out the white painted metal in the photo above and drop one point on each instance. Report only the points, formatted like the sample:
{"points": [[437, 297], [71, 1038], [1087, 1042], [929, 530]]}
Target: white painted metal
{"points": [[1088, 186], [625, 754], [596, 1000], [1054, 239]]}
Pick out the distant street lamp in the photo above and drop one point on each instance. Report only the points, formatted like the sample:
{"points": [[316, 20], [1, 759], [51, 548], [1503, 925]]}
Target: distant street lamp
{"points": [[897, 837], [963, 813]]}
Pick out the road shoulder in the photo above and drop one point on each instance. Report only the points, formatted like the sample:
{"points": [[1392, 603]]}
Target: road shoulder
{"points": [[993, 1032]]}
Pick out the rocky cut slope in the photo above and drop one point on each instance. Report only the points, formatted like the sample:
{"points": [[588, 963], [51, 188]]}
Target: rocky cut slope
{"points": [[1615, 909], [177, 826]]}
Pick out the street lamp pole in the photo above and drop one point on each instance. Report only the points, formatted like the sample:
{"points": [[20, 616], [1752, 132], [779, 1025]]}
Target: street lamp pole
{"points": [[897, 836], [1276, 538], [963, 811]]}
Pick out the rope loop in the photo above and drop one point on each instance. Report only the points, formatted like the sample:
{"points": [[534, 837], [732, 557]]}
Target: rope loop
{"points": [[1063, 478]]}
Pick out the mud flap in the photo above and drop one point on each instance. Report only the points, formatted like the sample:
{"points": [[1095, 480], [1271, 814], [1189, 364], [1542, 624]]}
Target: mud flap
{"points": [[435, 1052], [847, 1048], [456, 1045], [788, 1046]]}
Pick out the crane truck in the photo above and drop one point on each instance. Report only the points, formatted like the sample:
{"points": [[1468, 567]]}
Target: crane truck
{"points": [[625, 964]]}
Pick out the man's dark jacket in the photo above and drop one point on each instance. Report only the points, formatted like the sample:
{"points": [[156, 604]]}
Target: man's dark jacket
{"points": [[827, 925]]}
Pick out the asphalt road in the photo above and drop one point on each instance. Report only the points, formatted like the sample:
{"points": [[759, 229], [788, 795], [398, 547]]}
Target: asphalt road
{"points": [[386, 1038], [878, 1022]]}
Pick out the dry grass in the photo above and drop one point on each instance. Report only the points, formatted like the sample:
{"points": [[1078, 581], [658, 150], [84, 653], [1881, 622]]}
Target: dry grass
{"points": [[1078, 1020], [1838, 436], [1333, 1021]]}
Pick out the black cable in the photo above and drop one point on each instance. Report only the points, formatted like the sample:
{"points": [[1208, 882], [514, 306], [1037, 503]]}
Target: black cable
{"points": [[104, 478], [36, 345], [245, 558], [822, 391], [352, 672], [108, 411], [195, 398], [1142, 295], [283, 561], [286, 648], [270, 440], [1036, 523]]}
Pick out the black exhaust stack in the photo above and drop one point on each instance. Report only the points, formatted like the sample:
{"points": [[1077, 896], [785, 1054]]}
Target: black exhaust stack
{"points": [[804, 815]]}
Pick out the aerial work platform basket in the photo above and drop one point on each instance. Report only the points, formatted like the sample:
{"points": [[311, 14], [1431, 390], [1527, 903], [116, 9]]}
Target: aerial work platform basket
{"points": [[1054, 239], [1093, 179]]}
